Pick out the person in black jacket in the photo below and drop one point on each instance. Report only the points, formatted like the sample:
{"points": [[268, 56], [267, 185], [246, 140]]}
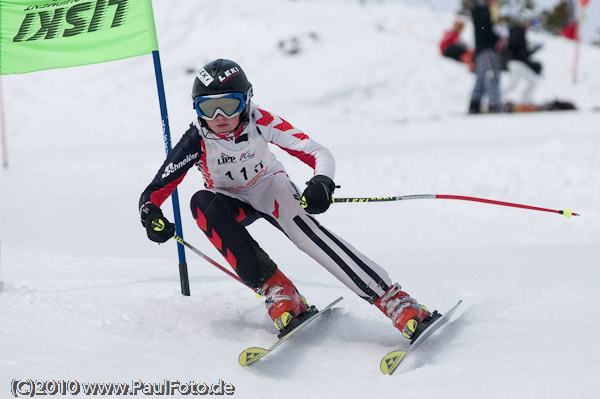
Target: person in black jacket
{"points": [[488, 42], [517, 60], [518, 47]]}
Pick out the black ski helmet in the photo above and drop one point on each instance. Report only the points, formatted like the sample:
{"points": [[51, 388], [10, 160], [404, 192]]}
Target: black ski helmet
{"points": [[220, 77]]}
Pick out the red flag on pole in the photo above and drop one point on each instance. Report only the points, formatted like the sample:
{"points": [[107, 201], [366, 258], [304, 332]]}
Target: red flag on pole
{"points": [[570, 31]]}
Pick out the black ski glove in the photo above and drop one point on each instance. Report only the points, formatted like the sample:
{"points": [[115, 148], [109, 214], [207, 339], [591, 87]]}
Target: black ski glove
{"points": [[316, 197], [158, 228]]}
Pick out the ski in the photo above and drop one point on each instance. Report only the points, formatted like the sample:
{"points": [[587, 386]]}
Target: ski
{"points": [[251, 355], [390, 362]]}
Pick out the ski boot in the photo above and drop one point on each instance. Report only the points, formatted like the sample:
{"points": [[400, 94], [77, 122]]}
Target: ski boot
{"points": [[405, 312], [284, 304]]}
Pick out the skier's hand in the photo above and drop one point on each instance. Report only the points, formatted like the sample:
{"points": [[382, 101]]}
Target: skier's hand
{"points": [[158, 228], [316, 198]]}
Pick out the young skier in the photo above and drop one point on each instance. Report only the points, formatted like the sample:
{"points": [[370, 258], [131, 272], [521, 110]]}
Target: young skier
{"points": [[244, 181]]}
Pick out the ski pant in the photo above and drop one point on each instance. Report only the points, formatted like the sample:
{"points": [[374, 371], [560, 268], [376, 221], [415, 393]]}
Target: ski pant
{"points": [[521, 75], [487, 71], [223, 216]]}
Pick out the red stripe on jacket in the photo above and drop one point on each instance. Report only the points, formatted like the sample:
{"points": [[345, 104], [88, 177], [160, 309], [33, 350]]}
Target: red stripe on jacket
{"points": [[159, 196], [304, 157], [265, 118]]}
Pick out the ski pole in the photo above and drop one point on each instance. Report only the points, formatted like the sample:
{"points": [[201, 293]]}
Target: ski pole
{"points": [[206, 257], [567, 212]]}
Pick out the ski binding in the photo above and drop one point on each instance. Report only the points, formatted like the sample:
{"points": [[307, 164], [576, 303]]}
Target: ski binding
{"points": [[251, 355], [390, 362]]}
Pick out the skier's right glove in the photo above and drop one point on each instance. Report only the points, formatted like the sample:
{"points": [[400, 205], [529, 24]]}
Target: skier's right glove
{"points": [[158, 228], [316, 197]]}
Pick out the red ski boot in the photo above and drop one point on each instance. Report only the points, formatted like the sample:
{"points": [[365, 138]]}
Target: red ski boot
{"points": [[405, 312], [283, 301]]}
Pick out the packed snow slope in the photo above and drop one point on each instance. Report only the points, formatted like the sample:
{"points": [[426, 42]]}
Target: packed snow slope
{"points": [[86, 297]]}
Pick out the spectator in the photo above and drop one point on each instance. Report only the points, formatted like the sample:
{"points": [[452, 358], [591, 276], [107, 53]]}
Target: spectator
{"points": [[517, 58], [452, 47], [489, 40]]}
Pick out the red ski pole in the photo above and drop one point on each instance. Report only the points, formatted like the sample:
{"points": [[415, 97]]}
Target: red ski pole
{"points": [[567, 212], [206, 257]]}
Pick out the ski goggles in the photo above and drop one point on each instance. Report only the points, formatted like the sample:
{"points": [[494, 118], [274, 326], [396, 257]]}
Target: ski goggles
{"points": [[228, 105]]}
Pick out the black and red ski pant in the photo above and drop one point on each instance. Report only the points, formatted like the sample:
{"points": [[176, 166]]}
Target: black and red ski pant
{"points": [[223, 216]]}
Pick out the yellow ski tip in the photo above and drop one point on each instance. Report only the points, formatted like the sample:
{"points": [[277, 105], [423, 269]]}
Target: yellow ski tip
{"points": [[391, 361], [251, 355]]}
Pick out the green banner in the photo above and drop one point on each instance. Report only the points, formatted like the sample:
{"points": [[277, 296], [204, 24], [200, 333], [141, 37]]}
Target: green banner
{"points": [[36, 35]]}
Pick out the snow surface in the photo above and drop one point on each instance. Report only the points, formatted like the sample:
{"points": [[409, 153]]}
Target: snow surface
{"points": [[85, 296]]}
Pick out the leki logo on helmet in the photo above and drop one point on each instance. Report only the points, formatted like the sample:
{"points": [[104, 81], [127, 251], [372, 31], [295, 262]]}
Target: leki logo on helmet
{"points": [[204, 77], [231, 72]]}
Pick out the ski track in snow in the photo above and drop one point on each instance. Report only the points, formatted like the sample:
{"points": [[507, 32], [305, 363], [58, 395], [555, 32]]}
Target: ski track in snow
{"points": [[85, 296]]}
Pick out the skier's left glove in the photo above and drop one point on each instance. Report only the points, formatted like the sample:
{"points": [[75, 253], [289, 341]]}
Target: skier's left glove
{"points": [[158, 228], [316, 198]]}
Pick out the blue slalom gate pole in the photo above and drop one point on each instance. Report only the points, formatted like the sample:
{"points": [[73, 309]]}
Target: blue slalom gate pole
{"points": [[183, 272]]}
